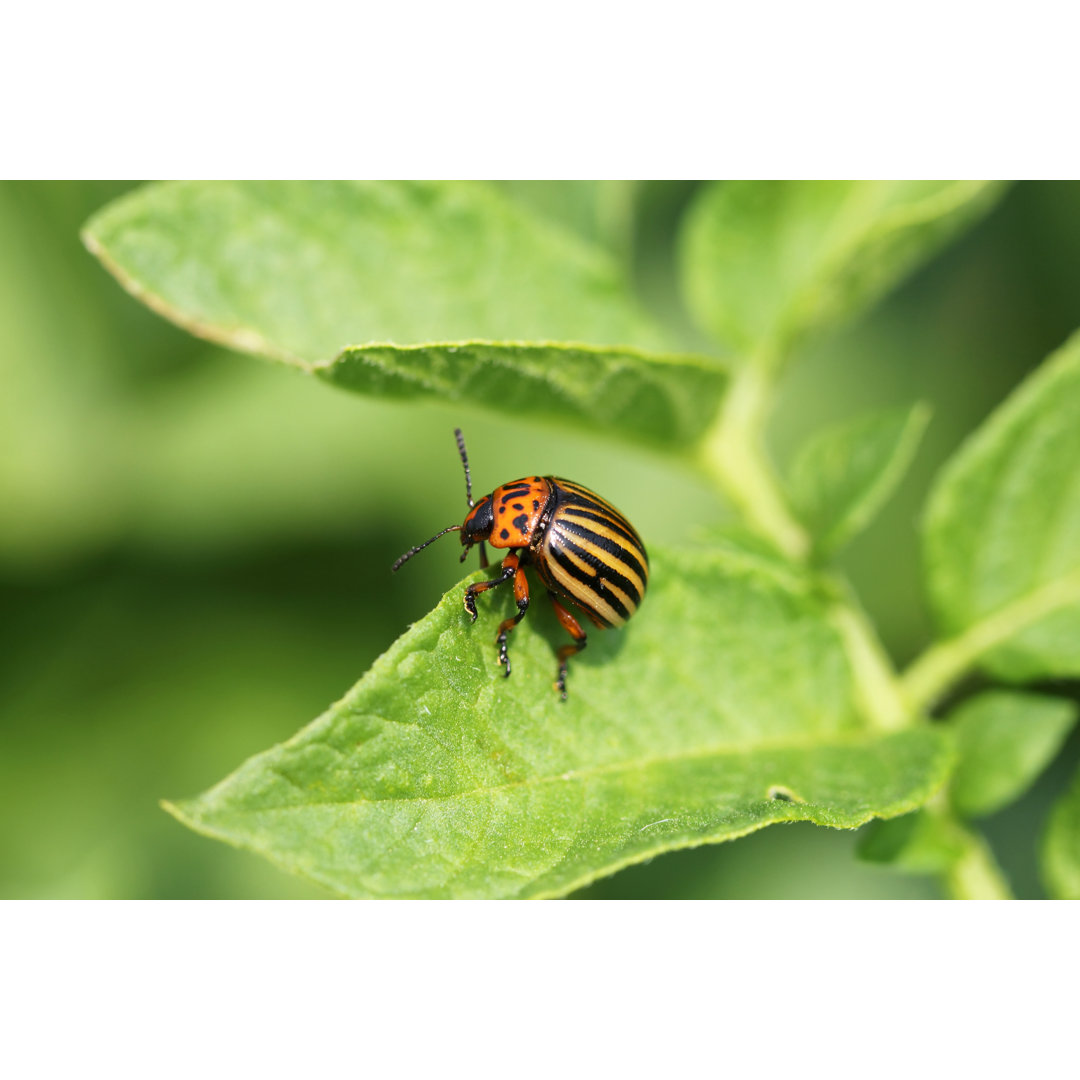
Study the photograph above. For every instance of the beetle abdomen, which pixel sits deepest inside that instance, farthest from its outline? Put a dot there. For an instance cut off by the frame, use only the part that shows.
(593, 555)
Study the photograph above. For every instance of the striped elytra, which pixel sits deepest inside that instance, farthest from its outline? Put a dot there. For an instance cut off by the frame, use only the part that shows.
(592, 555)
(582, 548)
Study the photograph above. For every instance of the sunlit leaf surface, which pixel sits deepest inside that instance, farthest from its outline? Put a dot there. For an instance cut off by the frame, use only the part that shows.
(725, 705)
(299, 271)
(1002, 529)
(406, 290)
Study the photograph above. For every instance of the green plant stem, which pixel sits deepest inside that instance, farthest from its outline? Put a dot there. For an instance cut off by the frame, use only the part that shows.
(873, 672)
(976, 876)
(734, 456)
(943, 664)
(974, 873)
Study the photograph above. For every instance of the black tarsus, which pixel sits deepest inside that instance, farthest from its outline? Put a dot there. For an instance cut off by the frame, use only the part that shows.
(566, 651)
(474, 590)
(504, 630)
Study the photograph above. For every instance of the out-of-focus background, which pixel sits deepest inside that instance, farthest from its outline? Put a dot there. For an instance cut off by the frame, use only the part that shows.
(195, 545)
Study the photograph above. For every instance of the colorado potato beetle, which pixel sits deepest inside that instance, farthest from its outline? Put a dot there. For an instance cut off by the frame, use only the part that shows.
(582, 548)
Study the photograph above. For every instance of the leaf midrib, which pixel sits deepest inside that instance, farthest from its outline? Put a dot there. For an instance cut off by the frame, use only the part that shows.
(929, 675)
(586, 773)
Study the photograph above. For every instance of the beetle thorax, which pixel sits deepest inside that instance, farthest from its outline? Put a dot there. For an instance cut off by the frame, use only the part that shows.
(519, 512)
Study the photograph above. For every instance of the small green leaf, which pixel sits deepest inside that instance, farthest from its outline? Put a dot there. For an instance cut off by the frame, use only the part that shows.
(1002, 534)
(434, 776)
(1061, 846)
(1005, 740)
(918, 843)
(846, 473)
(298, 271)
(665, 400)
(764, 264)
(933, 841)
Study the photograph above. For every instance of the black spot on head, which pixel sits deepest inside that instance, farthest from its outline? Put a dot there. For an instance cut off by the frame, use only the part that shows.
(518, 506)
(504, 534)
(521, 521)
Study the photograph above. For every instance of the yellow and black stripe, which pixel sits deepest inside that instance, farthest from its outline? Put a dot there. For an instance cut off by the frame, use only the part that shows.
(592, 555)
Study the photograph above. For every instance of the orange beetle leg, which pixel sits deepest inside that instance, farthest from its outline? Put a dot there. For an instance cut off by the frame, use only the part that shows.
(509, 569)
(573, 628)
(521, 595)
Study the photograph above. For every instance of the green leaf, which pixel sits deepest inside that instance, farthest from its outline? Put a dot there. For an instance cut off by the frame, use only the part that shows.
(846, 473)
(1005, 740)
(1061, 846)
(391, 288)
(436, 777)
(1002, 536)
(933, 841)
(918, 843)
(764, 264)
(665, 400)
(298, 271)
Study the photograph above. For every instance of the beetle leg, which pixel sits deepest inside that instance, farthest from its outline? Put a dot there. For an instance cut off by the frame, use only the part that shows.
(521, 595)
(509, 569)
(573, 628)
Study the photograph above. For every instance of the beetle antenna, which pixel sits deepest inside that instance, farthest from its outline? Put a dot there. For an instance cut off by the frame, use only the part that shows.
(464, 461)
(420, 547)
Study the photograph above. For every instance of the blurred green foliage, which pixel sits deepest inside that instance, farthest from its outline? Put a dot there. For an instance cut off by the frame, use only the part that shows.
(177, 524)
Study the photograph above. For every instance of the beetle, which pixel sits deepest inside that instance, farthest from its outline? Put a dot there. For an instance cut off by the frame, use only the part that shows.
(582, 548)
